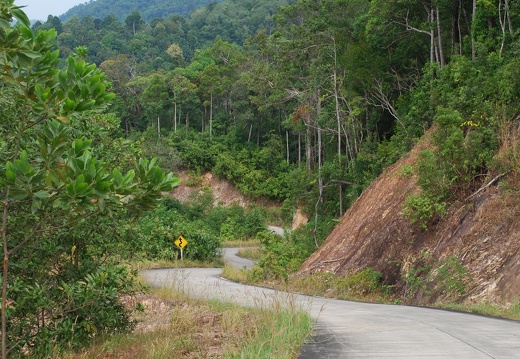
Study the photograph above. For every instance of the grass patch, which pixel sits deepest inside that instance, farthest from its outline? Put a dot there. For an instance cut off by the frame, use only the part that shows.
(253, 253)
(278, 332)
(241, 243)
(363, 286)
(253, 276)
(511, 312)
(174, 326)
(185, 263)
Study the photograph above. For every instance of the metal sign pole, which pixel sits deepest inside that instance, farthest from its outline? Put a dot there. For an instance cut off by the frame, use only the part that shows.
(181, 254)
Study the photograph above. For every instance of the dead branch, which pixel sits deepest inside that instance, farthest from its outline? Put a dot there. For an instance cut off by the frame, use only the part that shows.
(487, 185)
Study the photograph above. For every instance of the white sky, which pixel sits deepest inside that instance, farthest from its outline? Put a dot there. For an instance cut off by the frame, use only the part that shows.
(40, 9)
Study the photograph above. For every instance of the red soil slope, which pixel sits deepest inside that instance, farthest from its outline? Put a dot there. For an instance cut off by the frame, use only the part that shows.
(483, 232)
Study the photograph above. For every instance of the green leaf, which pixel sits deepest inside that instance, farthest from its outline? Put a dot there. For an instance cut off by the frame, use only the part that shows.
(36, 205)
(19, 15)
(26, 32)
(22, 164)
(18, 194)
(11, 176)
(31, 54)
(81, 188)
(118, 178)
(69, 104)
(85, 105)
(130, 175)
(70, 189)
(81, 146)
(42, 194)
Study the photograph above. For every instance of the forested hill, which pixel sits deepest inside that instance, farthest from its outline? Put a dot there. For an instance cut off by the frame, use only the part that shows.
(118, 29)
(149, 9)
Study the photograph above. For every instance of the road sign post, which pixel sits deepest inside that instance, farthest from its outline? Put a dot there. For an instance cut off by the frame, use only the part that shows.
(181, 243)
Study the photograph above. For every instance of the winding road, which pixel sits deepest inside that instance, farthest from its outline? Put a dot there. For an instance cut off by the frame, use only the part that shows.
(347, 329)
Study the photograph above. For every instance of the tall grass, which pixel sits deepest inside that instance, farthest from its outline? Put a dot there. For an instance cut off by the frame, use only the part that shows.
(253, 253)
(176, 327)
(177, 263)
(511, 312)
(279, 333)
(241, 243)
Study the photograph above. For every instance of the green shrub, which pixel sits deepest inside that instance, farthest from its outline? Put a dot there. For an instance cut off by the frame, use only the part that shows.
(452, 276)
(46, 317)
(463, 151)
(422, 208)
(202, 247)
(432, 276)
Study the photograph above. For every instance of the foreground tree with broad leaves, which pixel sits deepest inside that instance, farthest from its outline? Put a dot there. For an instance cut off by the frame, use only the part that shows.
(58, 288)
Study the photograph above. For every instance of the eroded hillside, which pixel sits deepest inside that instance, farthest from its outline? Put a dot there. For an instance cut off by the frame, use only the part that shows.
(481, 232)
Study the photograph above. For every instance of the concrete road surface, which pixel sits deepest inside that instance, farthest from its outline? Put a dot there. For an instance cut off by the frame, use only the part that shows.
(360, 330)
(231, 257)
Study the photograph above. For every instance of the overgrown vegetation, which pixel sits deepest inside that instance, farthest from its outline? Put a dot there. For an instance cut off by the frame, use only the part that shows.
(430, 277)
(173, 325)
(204, 226)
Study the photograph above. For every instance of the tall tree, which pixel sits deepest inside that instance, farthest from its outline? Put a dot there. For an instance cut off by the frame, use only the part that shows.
(50, 180)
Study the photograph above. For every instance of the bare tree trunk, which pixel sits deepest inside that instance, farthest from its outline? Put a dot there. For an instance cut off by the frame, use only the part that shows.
(320, 190)
(439, 38)
(508, 16)
(339, 122)
(259, 130)
(336, 98)
(459, 29)
(299, 148)
(308, 149)
(180, 116)
(430, 33)
(432, 39)
(287, 144)
(158, 127)
(504, 20)
(175, 117)
(211, 118)
(473, 29)
(380, 99)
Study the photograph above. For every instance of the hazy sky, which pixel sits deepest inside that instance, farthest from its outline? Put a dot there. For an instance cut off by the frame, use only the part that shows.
(40, 9)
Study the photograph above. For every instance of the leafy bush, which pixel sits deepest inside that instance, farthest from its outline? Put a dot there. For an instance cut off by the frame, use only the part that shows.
(281, 255)
(432, 276)
(47, 317)
(463, 151)
(202, 247)
(422, 208)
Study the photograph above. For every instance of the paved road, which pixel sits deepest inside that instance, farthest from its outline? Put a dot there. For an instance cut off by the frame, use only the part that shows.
(276, 230)
(359, 330)
(231, 257)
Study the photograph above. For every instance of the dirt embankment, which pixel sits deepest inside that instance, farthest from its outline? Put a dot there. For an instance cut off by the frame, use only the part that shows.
(223, 192)
(482, 232)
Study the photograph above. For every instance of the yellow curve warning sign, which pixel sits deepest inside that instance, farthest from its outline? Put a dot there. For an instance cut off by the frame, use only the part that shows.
(181, 242)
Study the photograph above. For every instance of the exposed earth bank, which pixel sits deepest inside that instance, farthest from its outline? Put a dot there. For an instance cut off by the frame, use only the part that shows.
(481, 232)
